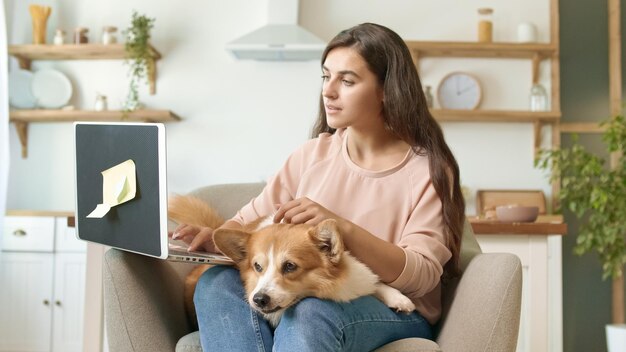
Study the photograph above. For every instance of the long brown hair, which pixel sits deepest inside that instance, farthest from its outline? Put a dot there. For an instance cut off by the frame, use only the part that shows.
(407, 117)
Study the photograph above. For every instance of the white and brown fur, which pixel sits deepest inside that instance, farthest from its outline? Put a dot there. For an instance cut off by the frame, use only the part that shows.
(280, 264)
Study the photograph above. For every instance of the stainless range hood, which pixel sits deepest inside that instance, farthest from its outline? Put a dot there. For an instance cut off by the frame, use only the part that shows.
(281, 39)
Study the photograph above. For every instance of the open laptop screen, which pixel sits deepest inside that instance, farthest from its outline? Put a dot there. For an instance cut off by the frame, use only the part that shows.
(140, 224)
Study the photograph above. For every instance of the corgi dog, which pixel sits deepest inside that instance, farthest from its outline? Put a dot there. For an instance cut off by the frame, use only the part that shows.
(280, 264)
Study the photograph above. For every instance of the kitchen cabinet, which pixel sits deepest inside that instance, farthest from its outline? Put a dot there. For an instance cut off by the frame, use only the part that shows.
(42, 281)
(25, 54)
(25, 301)
(538, 245)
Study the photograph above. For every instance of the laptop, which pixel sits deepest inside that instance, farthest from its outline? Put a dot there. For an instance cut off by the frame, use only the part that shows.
(121, 190)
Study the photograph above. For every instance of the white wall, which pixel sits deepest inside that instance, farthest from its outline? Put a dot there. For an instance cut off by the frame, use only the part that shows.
(242, 118)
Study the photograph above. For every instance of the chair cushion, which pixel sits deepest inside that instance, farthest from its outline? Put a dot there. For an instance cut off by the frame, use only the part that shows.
(189, 343)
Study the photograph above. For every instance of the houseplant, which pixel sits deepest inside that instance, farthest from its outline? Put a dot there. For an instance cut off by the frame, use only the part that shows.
(596, 194)
(138, 56)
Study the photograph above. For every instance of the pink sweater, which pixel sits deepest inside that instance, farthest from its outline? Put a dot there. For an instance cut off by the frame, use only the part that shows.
(399, 205)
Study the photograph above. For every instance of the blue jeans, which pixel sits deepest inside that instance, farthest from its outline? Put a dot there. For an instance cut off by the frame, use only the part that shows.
(227, 323)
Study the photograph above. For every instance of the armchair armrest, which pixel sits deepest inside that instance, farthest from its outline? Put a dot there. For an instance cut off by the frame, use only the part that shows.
(484, 313)
(143, 302)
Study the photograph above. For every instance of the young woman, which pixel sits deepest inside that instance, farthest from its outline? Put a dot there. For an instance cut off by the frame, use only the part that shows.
(379, 165)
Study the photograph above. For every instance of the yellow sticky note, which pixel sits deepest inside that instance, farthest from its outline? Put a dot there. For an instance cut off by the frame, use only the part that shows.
(121, 189)
(119, 185)
(100, 211)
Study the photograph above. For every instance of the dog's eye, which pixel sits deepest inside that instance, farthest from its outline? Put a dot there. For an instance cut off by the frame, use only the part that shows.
(258, 267)
(289, 267)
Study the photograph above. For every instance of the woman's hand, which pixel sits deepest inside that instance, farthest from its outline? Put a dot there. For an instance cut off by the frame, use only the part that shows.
(198, 238)
(303, 211)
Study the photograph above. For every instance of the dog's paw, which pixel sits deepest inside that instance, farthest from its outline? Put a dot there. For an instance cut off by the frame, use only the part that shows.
(394, 299)
(401, 303)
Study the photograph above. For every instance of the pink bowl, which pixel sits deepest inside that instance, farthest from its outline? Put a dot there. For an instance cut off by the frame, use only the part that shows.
(516, 213)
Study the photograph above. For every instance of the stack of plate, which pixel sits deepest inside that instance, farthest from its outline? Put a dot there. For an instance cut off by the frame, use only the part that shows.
(46, 88)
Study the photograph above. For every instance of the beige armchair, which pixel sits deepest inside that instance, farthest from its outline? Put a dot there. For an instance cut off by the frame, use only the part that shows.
(144, 308)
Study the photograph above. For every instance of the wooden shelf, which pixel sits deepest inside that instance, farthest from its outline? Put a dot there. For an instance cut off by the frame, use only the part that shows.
(21, 118)
(446, 115)
(534, 51)
(72, 52)
(143, 115)
(481, 50)
(26, 212)
(537, 118)
(26, 53)
(581, 127)
(545, 225)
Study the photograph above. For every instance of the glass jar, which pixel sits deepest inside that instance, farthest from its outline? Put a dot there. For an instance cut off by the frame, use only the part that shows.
(101, 103)
(108, 35)
(59, 37)
(429, 96)
(538, 98)
(485, 25)
(80, 35)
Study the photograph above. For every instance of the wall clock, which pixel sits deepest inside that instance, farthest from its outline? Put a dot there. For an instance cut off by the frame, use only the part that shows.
(459, 90)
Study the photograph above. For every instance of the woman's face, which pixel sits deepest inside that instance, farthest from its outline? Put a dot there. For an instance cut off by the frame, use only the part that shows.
(352, 95)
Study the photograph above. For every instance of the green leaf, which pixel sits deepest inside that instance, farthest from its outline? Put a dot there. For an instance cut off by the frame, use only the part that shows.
(138, 57)
(595, 194)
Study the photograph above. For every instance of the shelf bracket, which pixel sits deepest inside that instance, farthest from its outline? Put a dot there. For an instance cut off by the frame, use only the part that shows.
(22, 133)
(24, 62)
(152, 75)
(535, 62)
(537, 125)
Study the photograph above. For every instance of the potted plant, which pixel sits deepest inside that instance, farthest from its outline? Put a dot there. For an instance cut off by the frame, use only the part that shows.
(138, 56)
(596, 193)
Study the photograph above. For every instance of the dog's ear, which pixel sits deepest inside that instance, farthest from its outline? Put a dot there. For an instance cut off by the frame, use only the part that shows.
(232, 243)
(326, 235)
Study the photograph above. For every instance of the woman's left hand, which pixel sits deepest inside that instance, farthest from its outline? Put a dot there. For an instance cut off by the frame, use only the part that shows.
(303, 211)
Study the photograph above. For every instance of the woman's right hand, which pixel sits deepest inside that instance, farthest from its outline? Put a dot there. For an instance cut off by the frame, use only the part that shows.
(198, 238)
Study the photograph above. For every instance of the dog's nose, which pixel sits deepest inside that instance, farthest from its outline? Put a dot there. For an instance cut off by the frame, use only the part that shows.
(261, 300)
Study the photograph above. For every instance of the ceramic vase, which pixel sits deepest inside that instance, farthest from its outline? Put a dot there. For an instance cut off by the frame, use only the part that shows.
(39, 15)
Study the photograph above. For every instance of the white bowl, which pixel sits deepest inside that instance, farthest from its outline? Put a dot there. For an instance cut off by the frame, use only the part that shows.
(516, 213)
